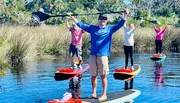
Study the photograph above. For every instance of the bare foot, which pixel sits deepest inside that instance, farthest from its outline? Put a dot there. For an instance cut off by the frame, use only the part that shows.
(103, 97)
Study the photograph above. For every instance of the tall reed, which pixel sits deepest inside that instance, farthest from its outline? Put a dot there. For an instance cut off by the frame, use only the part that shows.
(19, 43)
(172, 39)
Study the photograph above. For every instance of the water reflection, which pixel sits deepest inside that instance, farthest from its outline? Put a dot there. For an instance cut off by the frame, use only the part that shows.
(37, 84)
(18, 72)
(74, 87)
(158, 79)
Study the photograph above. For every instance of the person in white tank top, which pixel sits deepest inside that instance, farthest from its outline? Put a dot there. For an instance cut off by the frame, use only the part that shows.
(129, 48)
(129, 42)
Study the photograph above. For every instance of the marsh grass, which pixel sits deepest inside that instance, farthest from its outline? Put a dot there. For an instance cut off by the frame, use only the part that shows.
(172, 39)
(18, 46)
(20, 43)
(144, 40)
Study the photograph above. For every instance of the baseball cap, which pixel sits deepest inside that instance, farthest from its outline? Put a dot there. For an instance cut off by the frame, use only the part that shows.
(102, 17)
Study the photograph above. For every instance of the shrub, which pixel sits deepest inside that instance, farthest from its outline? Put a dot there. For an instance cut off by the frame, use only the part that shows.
(165, 11)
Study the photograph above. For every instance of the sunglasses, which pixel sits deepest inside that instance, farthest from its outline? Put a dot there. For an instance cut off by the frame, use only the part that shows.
(103, 18)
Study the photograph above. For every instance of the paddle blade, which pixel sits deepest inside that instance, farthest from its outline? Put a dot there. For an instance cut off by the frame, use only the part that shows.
(155, 22)
(40, 16)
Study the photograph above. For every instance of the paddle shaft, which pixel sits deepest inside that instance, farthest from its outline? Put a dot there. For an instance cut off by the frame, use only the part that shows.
(40, 16)
(152, 21)
(107, 12)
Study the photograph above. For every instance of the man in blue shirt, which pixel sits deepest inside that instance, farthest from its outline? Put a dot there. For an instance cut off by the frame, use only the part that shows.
(101, 37)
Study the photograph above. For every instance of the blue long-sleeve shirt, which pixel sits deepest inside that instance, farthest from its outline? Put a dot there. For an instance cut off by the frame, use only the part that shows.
(101, 37)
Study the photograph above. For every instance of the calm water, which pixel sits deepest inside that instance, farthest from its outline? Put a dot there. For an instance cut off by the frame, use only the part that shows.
(34, 83)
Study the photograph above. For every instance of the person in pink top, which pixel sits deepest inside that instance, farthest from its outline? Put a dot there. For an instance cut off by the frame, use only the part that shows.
(76, 42)
(159, 37)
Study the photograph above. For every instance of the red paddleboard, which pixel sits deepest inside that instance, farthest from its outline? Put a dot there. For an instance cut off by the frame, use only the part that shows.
(123, 74)
(69, 73)
(69, 101)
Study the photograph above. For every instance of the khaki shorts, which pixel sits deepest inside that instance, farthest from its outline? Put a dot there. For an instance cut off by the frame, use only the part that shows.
(98, 64)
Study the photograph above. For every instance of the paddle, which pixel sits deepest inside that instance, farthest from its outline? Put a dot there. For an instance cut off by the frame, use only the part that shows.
(154, 21)
(40, 16)
(145, 19)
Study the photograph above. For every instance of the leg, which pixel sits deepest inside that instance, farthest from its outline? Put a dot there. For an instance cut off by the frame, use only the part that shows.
(72, 60)
(131, 83)
(160, 46)
(104, 85)
(126, 56)
(79, 52)
(103, 67)
(131, 57)
(80, 57)
(94, 85)
(126, 85)
(72, 52)
(78, 81)
(156, 43)
(93, 71)
(126, 60)
(71, 84)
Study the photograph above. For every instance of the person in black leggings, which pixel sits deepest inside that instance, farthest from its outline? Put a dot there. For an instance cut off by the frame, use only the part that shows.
(129, 48)
(159, 37)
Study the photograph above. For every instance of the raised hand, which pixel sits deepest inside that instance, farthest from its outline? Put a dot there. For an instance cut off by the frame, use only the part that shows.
(126, 11)
(69, 13)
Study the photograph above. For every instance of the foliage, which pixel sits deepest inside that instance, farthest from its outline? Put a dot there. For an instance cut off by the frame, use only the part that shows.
(19, 11)
(178, 24)
(142, 14)
(110, 5)
(165, 11)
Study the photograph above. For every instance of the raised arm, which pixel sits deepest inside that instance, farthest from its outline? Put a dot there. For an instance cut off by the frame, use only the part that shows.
(164, 29)
(83, 26)
(137, 25)
(125, 14)
(124, 26)
(73, 18)
(121, 23)
(155, 28)
(67, 23)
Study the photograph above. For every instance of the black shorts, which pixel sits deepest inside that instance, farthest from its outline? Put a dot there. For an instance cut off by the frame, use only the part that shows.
(75, 50)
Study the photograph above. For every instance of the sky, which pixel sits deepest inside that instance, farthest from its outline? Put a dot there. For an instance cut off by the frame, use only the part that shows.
(127, 1)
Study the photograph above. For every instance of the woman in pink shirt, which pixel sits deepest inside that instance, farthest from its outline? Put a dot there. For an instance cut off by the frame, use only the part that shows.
(159, 37)
(76, 42)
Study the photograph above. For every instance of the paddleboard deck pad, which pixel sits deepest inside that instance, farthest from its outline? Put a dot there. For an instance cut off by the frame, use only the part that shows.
(69, 73)
(114, 97)
(123, 74)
